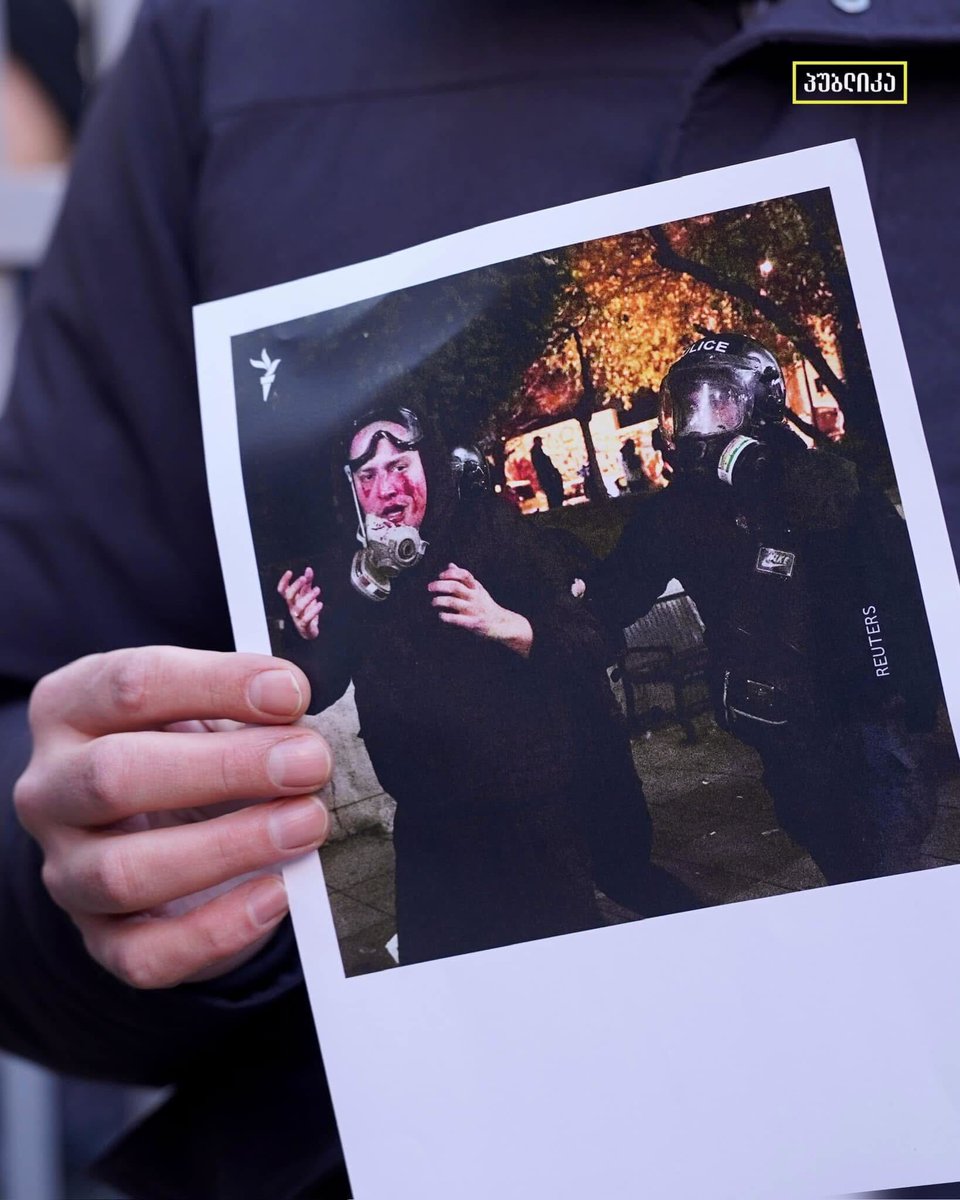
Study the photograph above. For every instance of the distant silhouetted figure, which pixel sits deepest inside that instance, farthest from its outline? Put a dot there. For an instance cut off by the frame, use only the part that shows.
(551, 481)
(632, 466)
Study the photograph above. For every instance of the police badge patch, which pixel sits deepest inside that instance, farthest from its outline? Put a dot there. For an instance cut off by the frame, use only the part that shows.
(775, 562)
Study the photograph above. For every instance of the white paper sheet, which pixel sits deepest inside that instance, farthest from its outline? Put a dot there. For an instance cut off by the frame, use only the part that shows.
(802, 1045)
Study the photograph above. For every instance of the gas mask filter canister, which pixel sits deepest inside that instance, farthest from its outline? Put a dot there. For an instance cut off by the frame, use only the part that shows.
(387, 550)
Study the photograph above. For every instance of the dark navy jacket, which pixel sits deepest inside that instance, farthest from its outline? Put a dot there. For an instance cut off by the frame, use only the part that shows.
(241, 144)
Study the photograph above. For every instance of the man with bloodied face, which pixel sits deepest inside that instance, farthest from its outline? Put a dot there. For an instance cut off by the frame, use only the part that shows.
(389, 474)
(482, 698)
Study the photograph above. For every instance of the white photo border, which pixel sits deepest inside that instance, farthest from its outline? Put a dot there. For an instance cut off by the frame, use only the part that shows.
(797, 1046)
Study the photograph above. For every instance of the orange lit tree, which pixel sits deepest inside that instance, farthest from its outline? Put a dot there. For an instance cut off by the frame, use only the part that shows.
(629, 305)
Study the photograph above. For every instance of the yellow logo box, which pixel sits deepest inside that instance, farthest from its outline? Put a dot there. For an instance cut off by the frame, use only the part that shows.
(879, 81)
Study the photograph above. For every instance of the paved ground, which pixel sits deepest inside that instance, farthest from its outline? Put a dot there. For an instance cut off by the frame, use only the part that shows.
(714, 828)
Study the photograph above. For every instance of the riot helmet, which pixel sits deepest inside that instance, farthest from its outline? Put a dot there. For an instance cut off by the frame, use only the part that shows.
(721, 385)
(470, 471)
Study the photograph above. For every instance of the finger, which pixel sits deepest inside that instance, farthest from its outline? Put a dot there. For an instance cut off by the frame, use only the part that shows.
(313, 610)
(455, 572)
(305, 599)
(160, 952)
(449, 587)
(305, 595)
(133, 872)
(313, 629)
(294, 589)
(284, 582)
(118, 776)
(302, 582)
(151, 686)
(453, 603)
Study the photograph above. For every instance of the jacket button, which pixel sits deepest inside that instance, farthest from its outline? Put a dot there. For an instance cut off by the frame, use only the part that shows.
(851, 6)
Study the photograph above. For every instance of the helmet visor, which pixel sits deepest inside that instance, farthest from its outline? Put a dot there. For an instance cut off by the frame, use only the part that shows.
(700, 402)
(400, 427)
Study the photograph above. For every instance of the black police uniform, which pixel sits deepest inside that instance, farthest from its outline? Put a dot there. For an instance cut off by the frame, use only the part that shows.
(820, 655)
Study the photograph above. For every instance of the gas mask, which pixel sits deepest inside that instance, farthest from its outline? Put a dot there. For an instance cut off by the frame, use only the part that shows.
(387, 550)
(470, 472)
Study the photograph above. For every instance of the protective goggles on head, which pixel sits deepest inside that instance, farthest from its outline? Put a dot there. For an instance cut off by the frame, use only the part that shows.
(408, 440)
(705, 401)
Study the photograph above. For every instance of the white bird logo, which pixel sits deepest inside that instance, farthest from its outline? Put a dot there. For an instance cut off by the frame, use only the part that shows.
(268, 366)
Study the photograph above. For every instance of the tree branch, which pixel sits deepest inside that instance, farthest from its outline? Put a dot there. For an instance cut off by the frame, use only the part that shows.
(740, 290)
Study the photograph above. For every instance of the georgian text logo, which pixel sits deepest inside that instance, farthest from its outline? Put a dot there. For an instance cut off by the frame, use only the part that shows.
(876, 82)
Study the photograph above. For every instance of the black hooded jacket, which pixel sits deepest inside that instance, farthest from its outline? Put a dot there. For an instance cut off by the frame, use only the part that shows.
(439, 706)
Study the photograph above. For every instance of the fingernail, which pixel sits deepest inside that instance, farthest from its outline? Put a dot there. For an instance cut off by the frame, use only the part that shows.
(268, 903)
(276, 693)
(299, 825)
(302, 762)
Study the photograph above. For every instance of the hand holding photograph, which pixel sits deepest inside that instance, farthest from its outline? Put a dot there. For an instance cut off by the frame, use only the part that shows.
(609, 543)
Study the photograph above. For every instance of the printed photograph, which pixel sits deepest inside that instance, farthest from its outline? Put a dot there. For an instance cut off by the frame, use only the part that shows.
(597, 564)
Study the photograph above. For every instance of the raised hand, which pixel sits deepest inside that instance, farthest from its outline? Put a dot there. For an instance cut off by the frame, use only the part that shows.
(464, 601)
(163, 845)
(303, 602)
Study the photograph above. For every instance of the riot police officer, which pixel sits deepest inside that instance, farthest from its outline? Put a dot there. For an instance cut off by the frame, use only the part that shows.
(819, 652)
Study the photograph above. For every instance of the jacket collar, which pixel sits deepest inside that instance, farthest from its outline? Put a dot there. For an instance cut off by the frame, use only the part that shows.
(918, 21)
